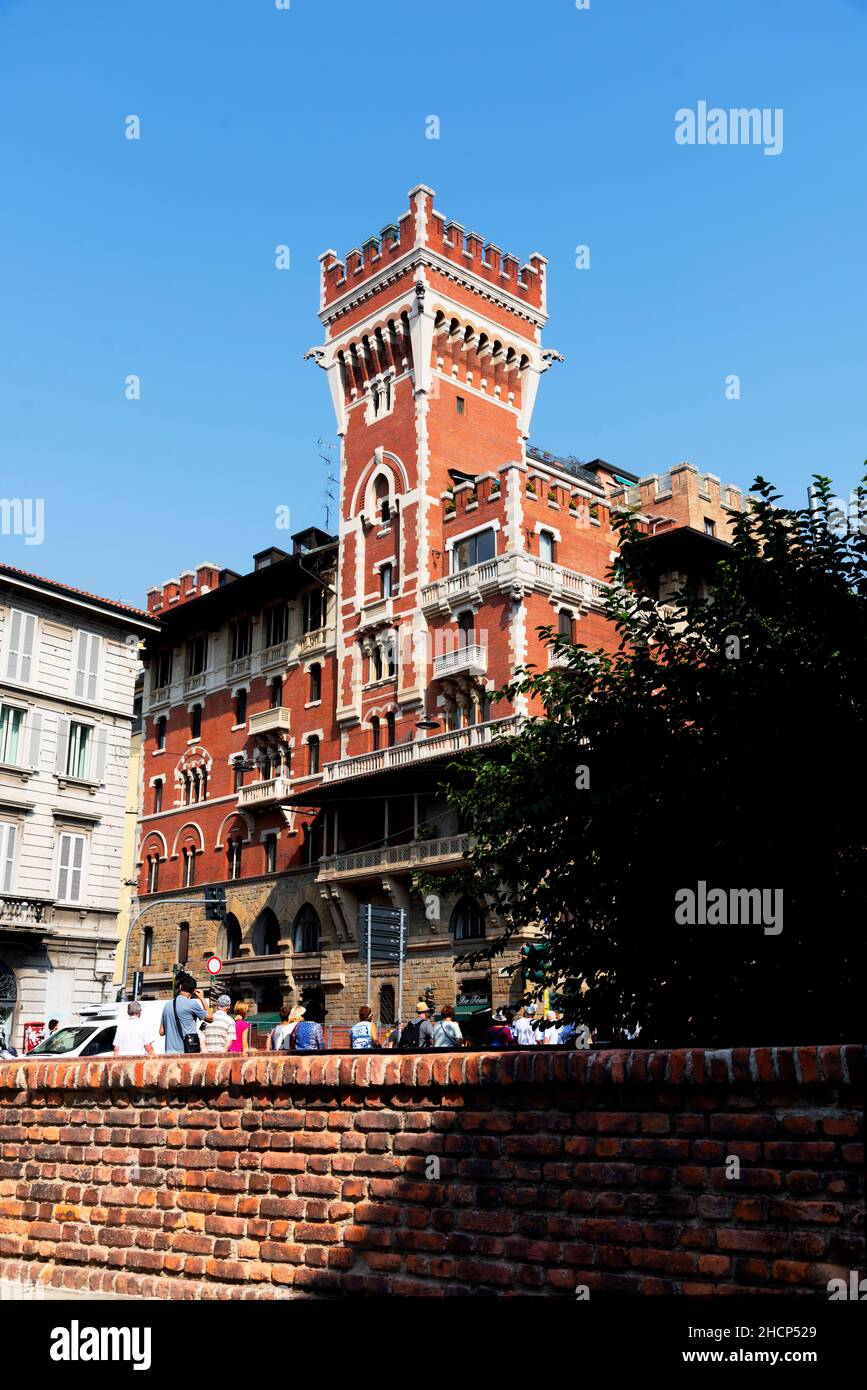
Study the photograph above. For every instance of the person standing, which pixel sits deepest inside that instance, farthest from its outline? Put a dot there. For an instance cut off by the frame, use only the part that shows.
(362, 1035)
(498, 1034)
(549, 1036)
(131, 1037)
(275, 1037)
(525, 1033)
(217, 1034)
(308, 1036)
(241, 1040)
(447, 1031)
(182, 1014)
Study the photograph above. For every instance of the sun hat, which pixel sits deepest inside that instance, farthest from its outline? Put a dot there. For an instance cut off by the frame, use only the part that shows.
(422, 1008)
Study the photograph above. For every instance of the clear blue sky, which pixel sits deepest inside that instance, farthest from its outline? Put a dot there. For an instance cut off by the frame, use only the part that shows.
(307, 127)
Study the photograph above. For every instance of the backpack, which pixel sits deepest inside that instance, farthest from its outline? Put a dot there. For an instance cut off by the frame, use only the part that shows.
(287, 1042)
(410, 1037)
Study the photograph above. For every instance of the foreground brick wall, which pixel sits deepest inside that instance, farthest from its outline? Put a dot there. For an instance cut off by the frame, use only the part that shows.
(194, 1177)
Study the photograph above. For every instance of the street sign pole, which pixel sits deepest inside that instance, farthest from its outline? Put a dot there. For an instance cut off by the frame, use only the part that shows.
(400, 969)
(369, 952)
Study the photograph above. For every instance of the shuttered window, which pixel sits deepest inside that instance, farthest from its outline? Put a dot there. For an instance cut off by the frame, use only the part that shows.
(8, 836)
(70, 877)
(78, 751)
(20, 646)
(11, 735)
(88, 653)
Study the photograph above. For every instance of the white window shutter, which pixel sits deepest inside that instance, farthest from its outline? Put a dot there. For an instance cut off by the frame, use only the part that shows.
(81, 664)
(77, 867)
(33, 728)
(62, 746)
(63, 873)
(7, 855)
(13, 643)
(28, 645)
(93, 654)
(96, 772)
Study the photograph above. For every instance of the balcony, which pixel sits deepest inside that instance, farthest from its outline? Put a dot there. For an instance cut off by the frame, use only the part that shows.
(470, 660)
(420, 750)
(252, 967)
(194, 683)
(368, 863)
(239, 667)
(314, 641)
(514, 570)
(26, 914)
(161, 696)
(276, 655)
(269, 721)
(260, 795)
(376, 613)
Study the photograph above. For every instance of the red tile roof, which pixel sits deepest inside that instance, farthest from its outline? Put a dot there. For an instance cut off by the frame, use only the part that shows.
(62, 588)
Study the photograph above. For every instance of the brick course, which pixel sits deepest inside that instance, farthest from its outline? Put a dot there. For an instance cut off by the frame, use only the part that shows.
(270, 1176)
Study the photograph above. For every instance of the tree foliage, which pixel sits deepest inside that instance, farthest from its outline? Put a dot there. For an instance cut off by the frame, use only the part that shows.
(736, 764)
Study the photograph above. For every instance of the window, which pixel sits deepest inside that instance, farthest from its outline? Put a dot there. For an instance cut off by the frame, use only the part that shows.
(153, 873)
(8, 837)
(11, 735)
(239, 773)
(78, 750)
(385, 580)
(70, 876)
(189, 867)
(566, 623)
(466, 629)
(183, 943)
(390, 726)
(391, 653)
(161, 732)
(305, 932)
(147, 946)
(277, 692)
(376, 663)
(196, 721)
(20, 645)
(163, 670)
(270, 854)
(546, 546)
(380, 489)
(473, 550)
(386, 1004)
(709, 527)
(315, 683)
(158, 797)
(234, 855)
(276, 625)
(374, 732)
(466, 921)
(233, 937)
(312, 754)
(312, 614)
(197, 654)
(461, 405)
(240, 639)
(241, 707)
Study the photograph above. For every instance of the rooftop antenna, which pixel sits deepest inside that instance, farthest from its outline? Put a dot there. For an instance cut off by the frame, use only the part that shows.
(330, 495)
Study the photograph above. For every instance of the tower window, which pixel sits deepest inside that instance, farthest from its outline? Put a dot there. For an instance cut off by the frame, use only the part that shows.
(473, 550)
(461, 405)
(158, 797)
(709, 527)
(276, 692)
(161, 732)
(374, 731)
(241, 707)
(566, 624)
(546, 546)
(315, 683)
(196, 722)
(390, 726)
(385, 581)
(312, 754)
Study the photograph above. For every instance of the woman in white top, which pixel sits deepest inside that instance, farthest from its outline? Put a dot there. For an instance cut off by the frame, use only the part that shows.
(277, 1033)
(447, 1032)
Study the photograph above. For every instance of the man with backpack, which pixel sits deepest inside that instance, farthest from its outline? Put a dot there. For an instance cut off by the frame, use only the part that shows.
(418, 1032)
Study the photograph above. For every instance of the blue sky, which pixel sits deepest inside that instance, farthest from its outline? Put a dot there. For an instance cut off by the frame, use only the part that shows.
(307, 127)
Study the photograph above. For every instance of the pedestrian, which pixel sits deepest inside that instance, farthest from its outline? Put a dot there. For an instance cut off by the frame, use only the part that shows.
(447, 1030)
(419, 1031)
(362, 1035)
(217, 1034)
(525, 1033)
(181, 1017)
(498, 1034)
(53, 1025)
(132, 1037)
(549, 1034)
(275, 1037)
(241, 1040)
(308, 1035)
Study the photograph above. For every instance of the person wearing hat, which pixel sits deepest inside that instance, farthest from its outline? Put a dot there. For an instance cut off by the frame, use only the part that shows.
(550, 1036)
(294, 1017)
(418, 1031)
(217, 1034)
(499, 1034)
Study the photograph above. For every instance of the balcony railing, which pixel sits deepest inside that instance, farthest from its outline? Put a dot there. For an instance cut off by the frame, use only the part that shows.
(25, 912)
(406, 754)
(270, 721)
(161, 696)
(407, 857)
(378, 611)
(312, 641)
(193, 684)
(471, 659)
(239, 667)
(276, 655)
(505, 572)
(260, 794)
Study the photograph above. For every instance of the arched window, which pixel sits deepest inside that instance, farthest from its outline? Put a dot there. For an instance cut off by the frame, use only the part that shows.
(233, 852)
(147, 946)
(386, 1004)
(315, 683)
(374, 733)
(312, 754)
(467, 920)
(380, 489)
(231, 937)
(183, 943)
(153, 873)
(189, 867)
(305, 932)
(266, 934)
(566, 623)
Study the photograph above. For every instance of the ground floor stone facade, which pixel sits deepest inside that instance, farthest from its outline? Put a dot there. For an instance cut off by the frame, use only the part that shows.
(56, 972)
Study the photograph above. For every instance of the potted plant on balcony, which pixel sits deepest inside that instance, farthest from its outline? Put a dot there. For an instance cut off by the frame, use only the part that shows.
(531, 487)
(495, 488)
(450, 504)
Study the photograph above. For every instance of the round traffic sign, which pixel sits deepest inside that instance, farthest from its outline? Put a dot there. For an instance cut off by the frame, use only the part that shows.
(214, 965)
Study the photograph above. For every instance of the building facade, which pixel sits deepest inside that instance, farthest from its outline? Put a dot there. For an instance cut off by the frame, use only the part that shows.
(67, 670)
(300, 718)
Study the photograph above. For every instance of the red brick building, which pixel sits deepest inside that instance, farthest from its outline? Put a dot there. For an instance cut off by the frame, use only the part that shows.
(299, 716)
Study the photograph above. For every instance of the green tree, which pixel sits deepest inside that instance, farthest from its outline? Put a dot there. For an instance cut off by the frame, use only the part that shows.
(723, 743)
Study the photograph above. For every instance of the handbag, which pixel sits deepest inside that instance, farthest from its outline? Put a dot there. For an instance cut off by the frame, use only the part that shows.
(192, 1041)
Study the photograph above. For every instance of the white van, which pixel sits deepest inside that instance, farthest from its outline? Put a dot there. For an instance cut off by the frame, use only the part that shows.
(92, 1033)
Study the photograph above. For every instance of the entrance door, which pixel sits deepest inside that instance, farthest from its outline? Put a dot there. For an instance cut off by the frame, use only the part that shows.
(8, 1000)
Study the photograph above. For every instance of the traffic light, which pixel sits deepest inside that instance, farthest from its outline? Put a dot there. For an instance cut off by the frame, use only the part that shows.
(215, 904)
(534, 962)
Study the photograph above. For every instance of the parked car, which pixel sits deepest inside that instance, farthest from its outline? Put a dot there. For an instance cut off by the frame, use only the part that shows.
(92, 1033)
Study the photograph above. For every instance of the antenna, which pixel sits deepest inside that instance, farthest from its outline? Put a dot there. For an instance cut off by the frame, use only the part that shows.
(330, 495)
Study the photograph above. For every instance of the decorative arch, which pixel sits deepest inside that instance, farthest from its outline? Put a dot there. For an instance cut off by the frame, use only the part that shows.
(229, 938)
(265, 936)
(234, 820)
(306, 930)
(371, 468)
(467, 921)
(189, 836)
(154, 839)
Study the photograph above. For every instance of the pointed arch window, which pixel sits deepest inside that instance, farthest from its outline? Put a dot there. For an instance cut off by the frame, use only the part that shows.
(306, 931)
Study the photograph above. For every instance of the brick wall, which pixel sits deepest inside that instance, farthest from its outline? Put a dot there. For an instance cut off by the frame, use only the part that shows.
(527, 1173)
